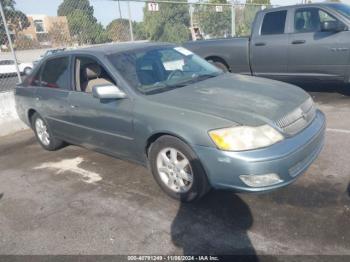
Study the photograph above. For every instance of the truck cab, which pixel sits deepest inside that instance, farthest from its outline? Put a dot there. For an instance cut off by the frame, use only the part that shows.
(293, 44)
(300, 43)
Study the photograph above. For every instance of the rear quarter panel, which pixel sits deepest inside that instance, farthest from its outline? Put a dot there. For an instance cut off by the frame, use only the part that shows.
(25, 100)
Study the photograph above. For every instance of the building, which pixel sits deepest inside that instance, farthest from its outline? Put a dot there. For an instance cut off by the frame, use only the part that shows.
(47, 30)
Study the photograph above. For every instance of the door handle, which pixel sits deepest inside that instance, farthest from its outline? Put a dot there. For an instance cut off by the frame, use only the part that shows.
(260, 44)
(73, 106)
(298, 42)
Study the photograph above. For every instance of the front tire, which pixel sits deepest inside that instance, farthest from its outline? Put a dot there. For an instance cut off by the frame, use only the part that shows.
(44, 135)
(177, 169)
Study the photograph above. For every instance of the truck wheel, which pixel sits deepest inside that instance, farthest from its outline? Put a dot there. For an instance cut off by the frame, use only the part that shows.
(177, 169)
(219, 65)
(44, 135)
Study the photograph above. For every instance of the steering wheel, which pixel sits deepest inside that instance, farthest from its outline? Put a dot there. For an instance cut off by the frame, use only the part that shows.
(174, 73)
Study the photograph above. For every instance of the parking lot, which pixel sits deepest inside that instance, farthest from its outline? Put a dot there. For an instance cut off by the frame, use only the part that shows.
(76, 201)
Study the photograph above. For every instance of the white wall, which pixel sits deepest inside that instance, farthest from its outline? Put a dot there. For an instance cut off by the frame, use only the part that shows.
(9, 121)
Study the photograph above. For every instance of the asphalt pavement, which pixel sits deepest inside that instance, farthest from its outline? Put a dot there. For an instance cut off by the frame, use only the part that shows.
(75, 201)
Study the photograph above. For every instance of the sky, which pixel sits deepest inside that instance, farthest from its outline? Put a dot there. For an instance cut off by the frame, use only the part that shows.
(107, 10)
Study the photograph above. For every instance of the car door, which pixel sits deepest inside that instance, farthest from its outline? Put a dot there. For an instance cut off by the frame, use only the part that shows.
(105, 125)
(52, 92)
(314, 54)
(268, 45)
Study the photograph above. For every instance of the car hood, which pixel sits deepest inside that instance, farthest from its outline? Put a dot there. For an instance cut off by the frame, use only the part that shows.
(241, 99)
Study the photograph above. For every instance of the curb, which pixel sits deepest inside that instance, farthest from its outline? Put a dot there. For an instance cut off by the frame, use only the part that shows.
(9, 120)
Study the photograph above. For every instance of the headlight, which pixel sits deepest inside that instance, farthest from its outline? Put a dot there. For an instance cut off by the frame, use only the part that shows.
(242, 138)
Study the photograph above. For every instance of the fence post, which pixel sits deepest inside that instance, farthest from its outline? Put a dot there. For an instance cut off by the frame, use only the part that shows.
(10, 42)
(233, 19)
(130, 23)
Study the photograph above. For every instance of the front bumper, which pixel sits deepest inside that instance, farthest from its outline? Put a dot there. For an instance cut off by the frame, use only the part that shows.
(289, 159)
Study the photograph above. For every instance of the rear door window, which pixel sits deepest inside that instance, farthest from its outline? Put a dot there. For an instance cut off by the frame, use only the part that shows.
(274, 23)
(55, 73)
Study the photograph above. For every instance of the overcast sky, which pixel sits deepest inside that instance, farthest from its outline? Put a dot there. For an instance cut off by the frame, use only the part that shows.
(107, 10)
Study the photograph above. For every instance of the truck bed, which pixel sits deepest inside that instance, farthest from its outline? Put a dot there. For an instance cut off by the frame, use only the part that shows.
(233, 52)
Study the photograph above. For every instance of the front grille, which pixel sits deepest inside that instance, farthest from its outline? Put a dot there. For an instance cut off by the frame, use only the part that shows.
(298, 119)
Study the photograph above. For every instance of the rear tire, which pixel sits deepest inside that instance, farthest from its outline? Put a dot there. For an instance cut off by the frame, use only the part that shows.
(181, 177)
(44, 135)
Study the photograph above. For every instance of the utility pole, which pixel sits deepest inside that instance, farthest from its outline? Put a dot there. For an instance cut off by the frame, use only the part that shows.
(130, 23)
(233, 19)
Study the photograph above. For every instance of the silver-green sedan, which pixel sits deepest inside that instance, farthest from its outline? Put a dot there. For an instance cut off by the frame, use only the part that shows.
(164, 107)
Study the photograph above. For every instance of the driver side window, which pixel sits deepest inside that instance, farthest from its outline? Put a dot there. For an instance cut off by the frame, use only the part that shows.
(89, 73)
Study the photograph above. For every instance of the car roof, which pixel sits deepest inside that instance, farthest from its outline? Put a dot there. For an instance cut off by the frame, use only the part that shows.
(107, 49)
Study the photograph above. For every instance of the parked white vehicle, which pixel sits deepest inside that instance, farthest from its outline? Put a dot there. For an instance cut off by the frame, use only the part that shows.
(8, 67)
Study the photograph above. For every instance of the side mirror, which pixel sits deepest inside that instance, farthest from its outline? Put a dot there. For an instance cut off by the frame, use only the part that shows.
(108, 92)
(332, 26)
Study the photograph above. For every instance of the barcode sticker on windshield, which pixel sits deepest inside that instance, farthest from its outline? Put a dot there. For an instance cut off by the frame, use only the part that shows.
(183, 51)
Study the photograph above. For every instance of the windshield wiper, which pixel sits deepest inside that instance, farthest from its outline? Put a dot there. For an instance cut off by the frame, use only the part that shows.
(206, 76)
(159, 86)
(195, 79)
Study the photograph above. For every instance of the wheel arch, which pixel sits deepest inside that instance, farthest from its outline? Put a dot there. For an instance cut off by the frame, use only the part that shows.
(215, 58)
(156, 135)
(30, 115)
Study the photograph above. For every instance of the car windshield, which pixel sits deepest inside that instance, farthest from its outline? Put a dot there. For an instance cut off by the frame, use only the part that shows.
(161, 69)
(341, 8)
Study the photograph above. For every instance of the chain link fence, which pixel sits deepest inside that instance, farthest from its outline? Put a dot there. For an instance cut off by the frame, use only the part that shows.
(77, 24)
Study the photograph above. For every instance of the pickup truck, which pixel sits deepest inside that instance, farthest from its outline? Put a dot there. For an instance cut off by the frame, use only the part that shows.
(301, 42)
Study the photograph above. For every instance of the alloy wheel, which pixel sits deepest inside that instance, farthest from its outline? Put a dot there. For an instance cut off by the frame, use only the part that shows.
(175, 170)
(42, 132)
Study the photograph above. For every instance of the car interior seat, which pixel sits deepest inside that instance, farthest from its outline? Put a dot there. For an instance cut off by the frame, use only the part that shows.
(92, 75)
(150, 70)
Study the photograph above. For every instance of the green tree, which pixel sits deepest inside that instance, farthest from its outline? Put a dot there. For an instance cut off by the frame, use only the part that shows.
(170, 24)
(213, 23)
(119, 30)
(245, 16)
(83, 26)
(84, 30)
(69, 6)
(258, 2)
(139, 30)
(16, 20)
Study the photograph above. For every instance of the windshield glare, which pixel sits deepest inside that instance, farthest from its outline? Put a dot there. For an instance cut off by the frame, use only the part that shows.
(162, 69)
(341, 8)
